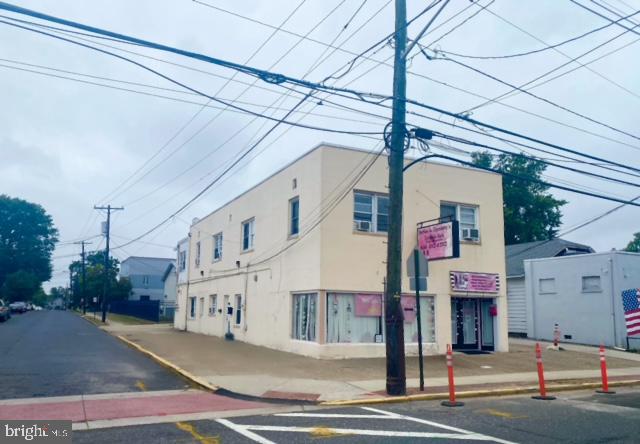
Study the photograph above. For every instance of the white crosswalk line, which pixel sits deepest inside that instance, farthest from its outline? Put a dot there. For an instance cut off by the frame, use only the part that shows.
(242, 430)
(434, 424)
(333, 415)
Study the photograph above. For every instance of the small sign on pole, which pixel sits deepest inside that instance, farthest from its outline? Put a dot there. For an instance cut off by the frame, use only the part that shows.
(440, 240)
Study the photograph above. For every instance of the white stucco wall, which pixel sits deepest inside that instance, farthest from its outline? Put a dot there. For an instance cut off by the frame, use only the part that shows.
(331, 257)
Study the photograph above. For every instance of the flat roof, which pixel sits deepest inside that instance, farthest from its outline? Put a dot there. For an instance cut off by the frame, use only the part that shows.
(578, 256)
(338, 147)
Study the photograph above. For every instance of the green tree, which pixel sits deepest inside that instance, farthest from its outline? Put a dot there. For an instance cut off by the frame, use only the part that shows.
(94, 286)
(40, 298)
(27, 239)
(531, 213)
(20, 286)
(634, 245)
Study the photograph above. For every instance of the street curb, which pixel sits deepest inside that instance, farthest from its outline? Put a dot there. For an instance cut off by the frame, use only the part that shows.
(203, 383)
(478, 393)
(188, 375)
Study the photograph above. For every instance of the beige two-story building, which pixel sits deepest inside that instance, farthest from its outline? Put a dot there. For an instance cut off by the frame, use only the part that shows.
(297, 263)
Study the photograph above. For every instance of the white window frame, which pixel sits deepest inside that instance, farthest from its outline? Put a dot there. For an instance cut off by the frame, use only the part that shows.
(291, 218)
(201, 307)
(373, 227)
(198, 251)
(217, 249)
(545, 283)
(213, 305)
(316, 300)
(237, 307)
(192, 307)
(252, 233)
(592, 290)
(476, 222)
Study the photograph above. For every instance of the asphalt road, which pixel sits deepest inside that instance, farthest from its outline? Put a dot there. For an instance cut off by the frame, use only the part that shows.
(57, 353)
(581, 417)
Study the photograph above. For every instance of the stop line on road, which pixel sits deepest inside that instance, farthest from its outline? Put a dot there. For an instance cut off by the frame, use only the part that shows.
(251, 431)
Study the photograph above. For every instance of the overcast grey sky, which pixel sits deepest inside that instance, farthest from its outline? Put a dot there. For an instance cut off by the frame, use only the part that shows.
(69, 145)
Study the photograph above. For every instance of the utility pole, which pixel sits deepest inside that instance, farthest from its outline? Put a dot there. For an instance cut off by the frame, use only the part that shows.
(84, 277)
(394, 338)
(394, 318)
(68, 303)
(107, 263)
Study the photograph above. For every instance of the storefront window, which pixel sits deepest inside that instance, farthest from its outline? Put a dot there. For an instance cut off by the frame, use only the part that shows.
(427, 315)
(354, 317)
(358, 318)
(304, 316)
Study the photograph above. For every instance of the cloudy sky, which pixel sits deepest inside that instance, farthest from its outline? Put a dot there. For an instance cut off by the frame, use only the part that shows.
(80, 128)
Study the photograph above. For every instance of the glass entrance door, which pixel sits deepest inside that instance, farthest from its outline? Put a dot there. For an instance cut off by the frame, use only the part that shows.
(465, 323)
(486, 324)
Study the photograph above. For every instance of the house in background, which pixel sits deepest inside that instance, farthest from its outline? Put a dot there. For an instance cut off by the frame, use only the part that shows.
(182, 258)
(146, 275)
(170, 280)
(583, 295)
(515, 256)
(297, 262)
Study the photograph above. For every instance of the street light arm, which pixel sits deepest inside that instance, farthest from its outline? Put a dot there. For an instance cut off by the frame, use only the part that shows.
(516, 176)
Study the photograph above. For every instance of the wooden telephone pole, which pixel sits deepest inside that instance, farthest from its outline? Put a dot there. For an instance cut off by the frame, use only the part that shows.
(394, 320)
(107, 262)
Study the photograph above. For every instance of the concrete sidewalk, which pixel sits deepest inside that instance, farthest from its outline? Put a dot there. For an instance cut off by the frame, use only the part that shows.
(266, 373)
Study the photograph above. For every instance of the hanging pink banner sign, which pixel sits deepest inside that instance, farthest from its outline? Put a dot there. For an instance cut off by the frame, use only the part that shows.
(409, 308)
(475, 282)
(439, 241)
(369, 305)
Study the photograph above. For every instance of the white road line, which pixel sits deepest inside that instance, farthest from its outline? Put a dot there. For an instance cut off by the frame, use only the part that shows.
(334, 415)
(243, 430)
(365, 432)
(435, 424)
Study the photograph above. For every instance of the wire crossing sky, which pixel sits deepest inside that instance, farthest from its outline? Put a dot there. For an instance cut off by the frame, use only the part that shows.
(81, 122)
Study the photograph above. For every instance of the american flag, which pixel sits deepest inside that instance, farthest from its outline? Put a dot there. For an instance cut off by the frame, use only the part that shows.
(631, 303)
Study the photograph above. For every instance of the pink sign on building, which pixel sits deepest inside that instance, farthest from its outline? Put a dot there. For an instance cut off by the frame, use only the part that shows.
(369, 305)
(439, 241)
(409, 308)
(474, 282)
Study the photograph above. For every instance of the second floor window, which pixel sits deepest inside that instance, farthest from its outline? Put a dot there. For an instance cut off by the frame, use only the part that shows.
(197, 254)
(145, 280)
(467, 216)
(370, 212)
(217, 247)
(294, 216)
(248, 232)
(182, 260)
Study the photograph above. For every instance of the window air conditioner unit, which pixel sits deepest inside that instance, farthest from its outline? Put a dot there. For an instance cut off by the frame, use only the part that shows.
(363, 225)
(471, 234)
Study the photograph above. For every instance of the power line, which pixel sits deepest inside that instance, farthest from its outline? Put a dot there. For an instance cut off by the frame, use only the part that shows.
(193, 117)
(272, 77)
(523, 178)
(534, 51)
(230, 105)
(546, 162)
(617, 22)
(313, 66)
(542, 99)
(570, 60)
(199, 194)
